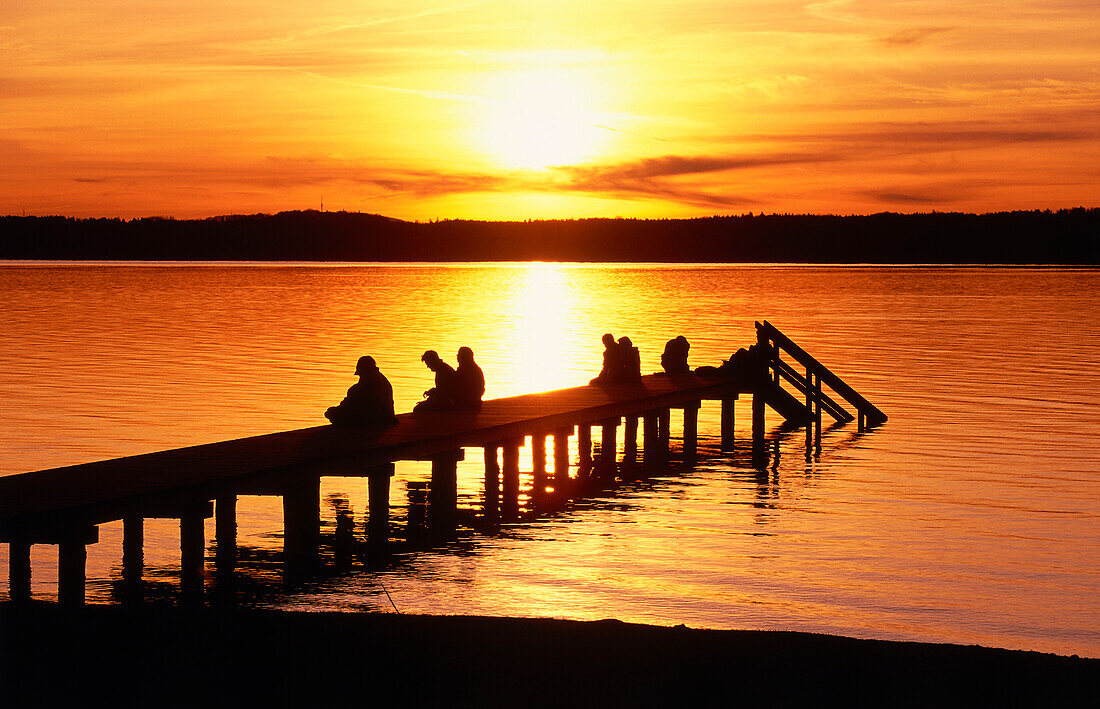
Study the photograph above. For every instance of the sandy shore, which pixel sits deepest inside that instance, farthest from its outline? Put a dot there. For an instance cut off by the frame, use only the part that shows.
(163, 656)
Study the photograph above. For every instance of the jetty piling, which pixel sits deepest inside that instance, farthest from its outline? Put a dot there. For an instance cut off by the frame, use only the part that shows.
(64, 506)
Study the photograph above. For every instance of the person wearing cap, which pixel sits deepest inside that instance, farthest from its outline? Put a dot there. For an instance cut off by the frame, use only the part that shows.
(469, 381)
(441, 397)
(368, 402)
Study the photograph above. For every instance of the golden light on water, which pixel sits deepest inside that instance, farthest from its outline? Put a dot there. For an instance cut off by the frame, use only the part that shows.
(543, 309)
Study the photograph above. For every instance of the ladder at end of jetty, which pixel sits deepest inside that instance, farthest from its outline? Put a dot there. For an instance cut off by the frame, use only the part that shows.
(808, 381)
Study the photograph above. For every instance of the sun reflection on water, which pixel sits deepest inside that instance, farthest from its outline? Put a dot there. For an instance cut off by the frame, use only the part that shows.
(542, 311)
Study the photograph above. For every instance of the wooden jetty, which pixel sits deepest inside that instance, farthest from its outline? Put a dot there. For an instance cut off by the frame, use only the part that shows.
(64, 506)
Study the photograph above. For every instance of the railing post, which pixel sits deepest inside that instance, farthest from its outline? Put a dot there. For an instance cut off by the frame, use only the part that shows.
(817, 413)
(809, 413)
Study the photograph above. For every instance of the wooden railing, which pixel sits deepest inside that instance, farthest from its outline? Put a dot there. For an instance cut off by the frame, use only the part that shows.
(816, 374)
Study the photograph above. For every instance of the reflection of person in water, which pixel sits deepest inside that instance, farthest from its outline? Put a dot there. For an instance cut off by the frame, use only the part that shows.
(674, 360)
(441, 397)
(469, 381)
(369, 401)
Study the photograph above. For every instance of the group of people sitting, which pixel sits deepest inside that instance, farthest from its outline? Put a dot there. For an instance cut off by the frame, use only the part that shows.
(369, 402)
(621, 362)
(460, 388)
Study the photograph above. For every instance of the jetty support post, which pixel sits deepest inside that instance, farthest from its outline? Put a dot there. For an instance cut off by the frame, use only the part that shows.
(492, 483)
(649, 437)
(133, 556)
(301, 523)
(378, 507)
(538, 465)
(584, 447)
(511, 478)
(72, 538)
(72, 560)
(225, 536)
(758, 421)
(443, 497)
(691, 428)
(630, 440)
(608, 445)
(561, 459)
(19, 569)
(663, 433)
(193, 549)
(729, 404)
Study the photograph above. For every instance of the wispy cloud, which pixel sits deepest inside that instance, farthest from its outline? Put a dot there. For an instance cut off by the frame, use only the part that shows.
(912, 36)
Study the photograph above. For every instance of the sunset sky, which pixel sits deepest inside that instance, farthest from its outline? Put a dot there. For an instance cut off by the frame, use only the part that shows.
(501, 109)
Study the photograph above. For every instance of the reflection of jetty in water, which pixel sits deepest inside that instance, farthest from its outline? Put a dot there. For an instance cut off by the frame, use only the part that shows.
(64, 506)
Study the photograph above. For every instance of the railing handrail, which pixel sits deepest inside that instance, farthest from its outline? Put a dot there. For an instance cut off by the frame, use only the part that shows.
(799, 382)
(834, 382)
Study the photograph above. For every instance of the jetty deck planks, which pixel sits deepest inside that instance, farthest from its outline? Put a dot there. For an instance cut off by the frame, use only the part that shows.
(100, 491)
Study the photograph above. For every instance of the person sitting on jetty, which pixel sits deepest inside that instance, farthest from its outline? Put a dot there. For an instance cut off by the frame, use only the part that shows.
(674, 360)
(441, 397)
(611, 361)
(621, 362)
(469, 381)
(368, 402)
(747, 365)
(631, 362)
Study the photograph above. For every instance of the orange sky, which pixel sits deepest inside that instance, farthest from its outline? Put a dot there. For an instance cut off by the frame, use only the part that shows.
(512, 109)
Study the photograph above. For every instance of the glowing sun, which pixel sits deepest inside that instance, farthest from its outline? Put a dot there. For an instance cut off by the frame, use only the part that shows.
(540, 118)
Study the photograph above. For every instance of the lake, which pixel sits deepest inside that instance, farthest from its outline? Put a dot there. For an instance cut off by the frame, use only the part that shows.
(971, 516)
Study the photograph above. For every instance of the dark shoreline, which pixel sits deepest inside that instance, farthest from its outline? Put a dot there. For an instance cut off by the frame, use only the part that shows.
(1063, 237)
(178, 657)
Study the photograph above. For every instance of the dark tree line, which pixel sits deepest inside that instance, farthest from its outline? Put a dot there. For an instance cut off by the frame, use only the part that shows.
(1037, 237)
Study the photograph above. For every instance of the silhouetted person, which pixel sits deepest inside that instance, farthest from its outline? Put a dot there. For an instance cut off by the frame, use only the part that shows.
(441, 397)
(368, 402)
(612, 362)
(469, 381)
(748, 365)
(674, 360)
(631, 362)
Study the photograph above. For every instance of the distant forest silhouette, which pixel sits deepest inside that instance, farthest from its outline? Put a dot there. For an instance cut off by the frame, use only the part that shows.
(1036, 237)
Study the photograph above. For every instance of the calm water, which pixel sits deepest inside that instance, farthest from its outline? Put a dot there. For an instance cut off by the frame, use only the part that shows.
(973, 516)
